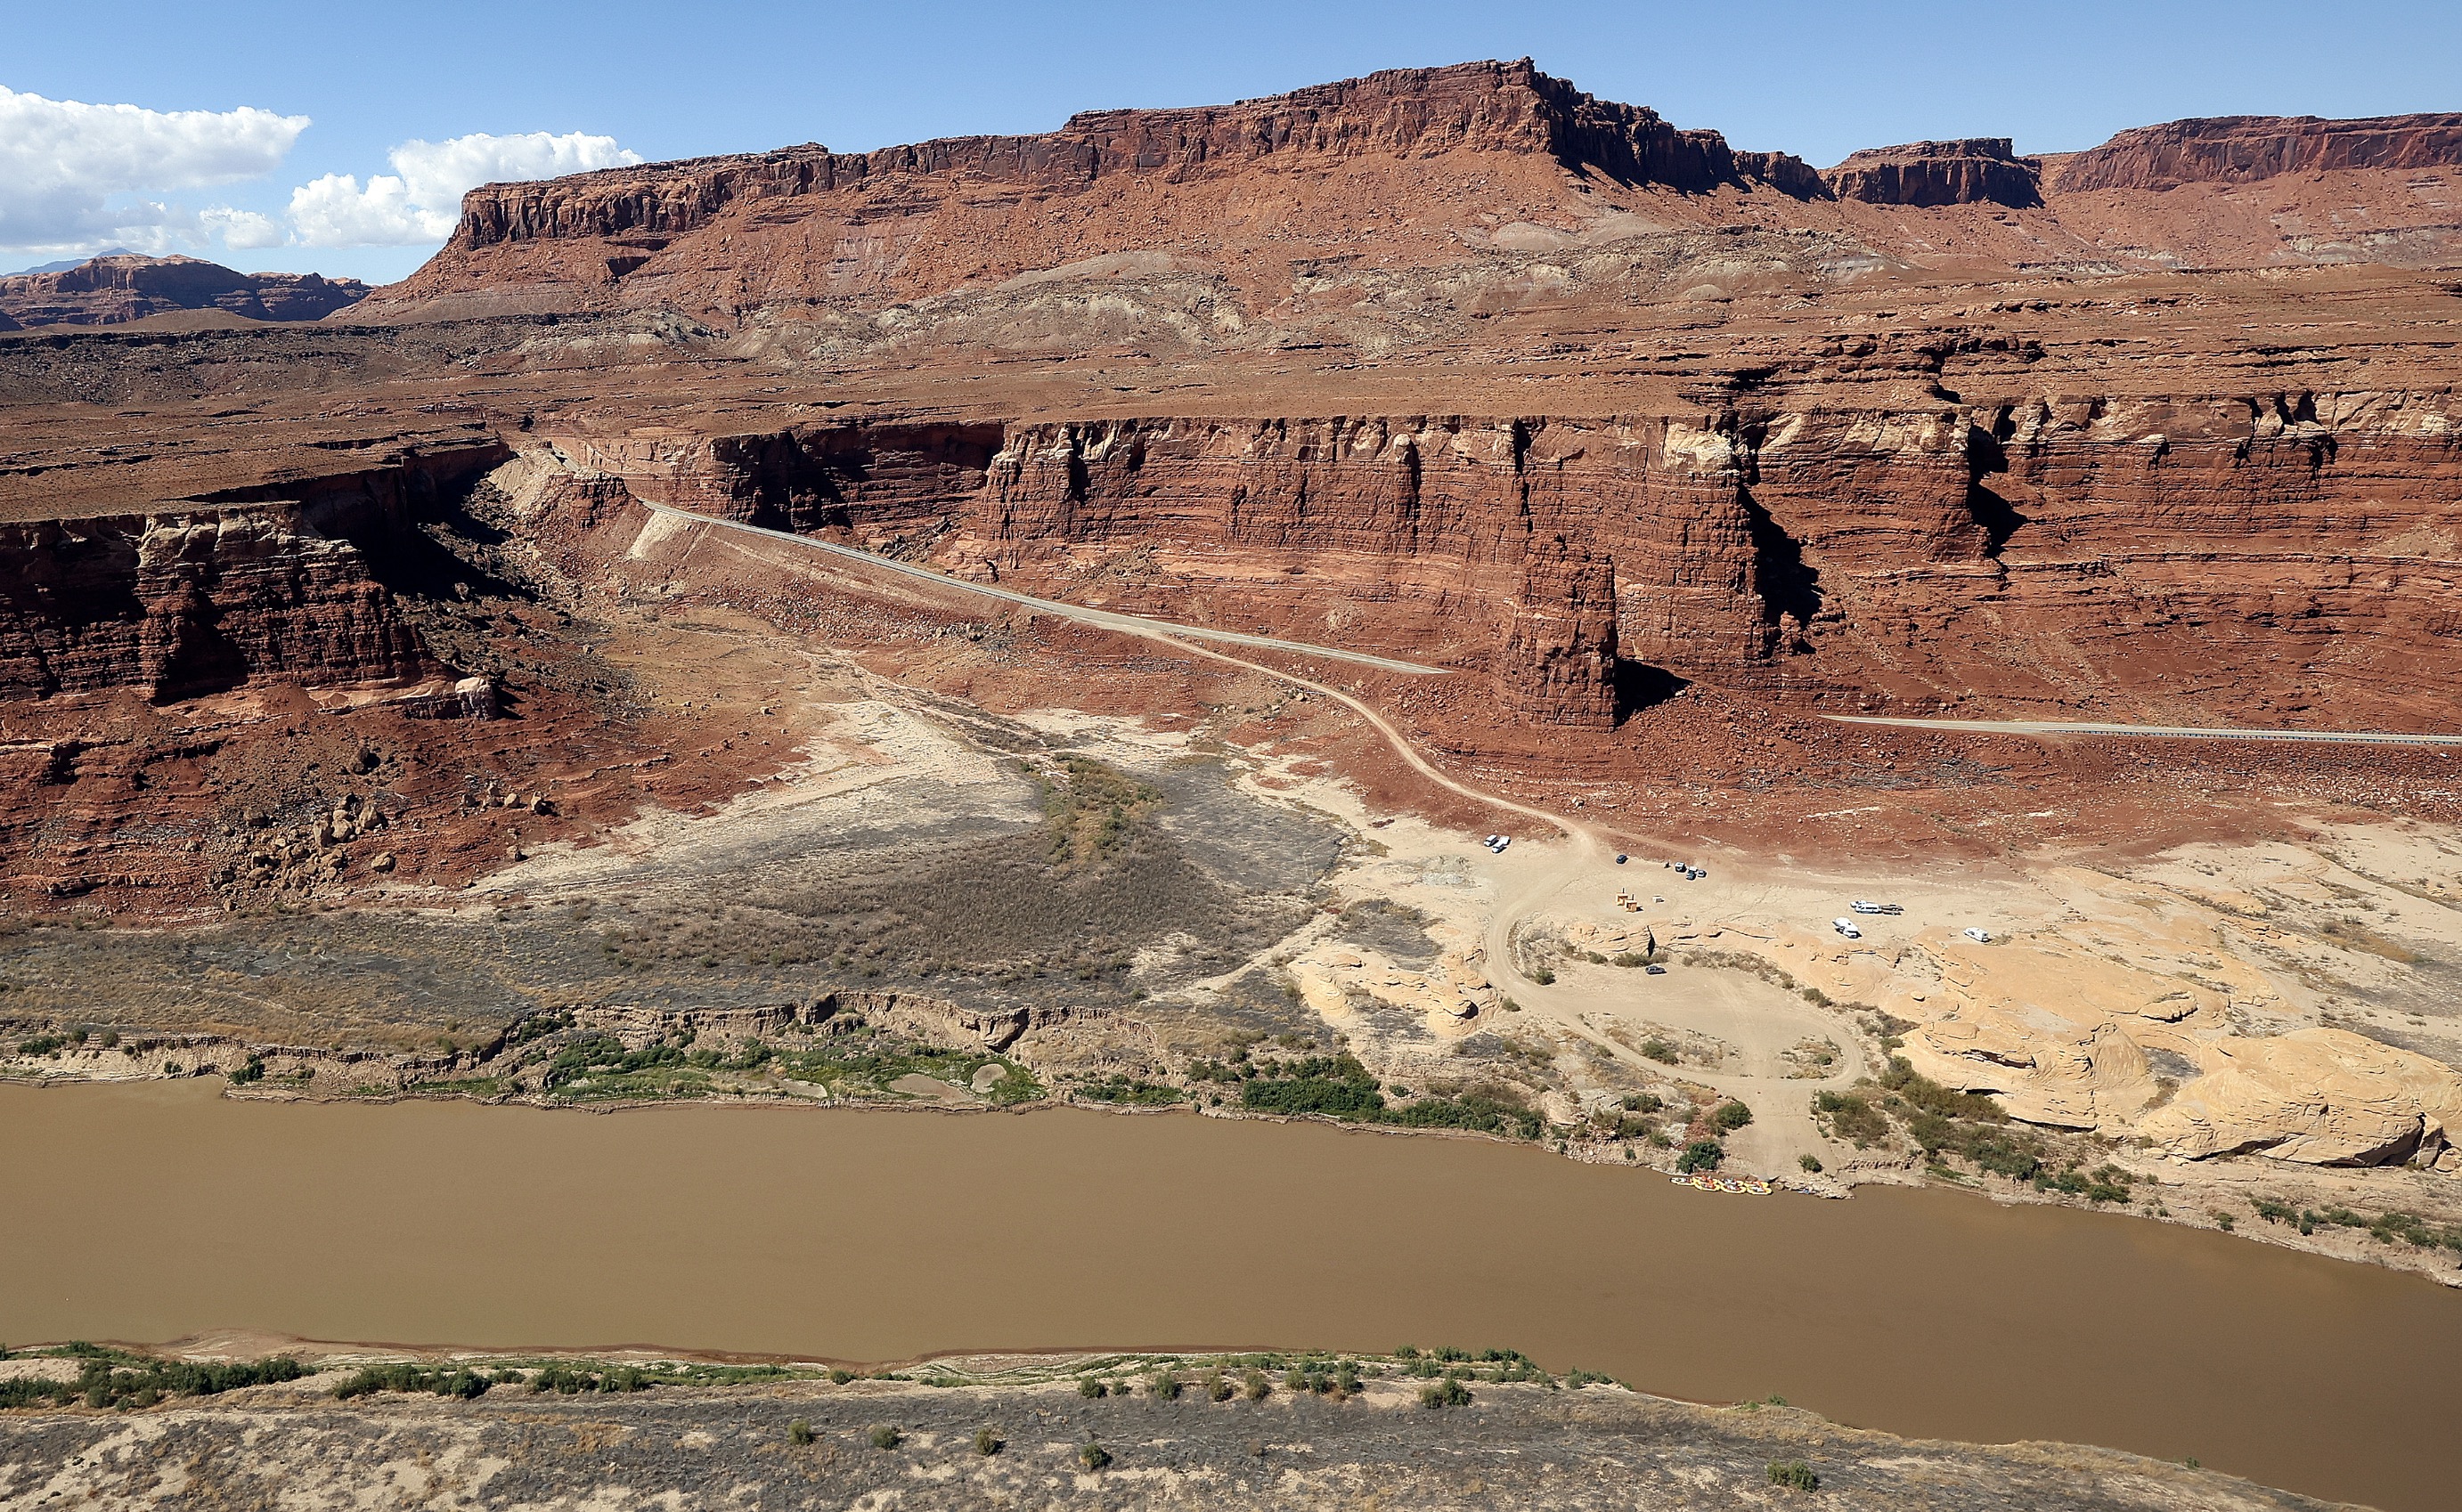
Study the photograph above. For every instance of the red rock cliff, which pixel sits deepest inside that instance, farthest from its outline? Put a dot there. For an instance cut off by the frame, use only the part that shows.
(2242, 149)
(1979, 170)
(195, 597)
(108, 290)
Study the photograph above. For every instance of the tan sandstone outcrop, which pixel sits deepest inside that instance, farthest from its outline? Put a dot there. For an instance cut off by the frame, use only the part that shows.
(2321, 1097)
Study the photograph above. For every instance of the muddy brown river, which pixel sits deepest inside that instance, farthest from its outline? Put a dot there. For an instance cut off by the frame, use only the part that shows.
(150, 1213)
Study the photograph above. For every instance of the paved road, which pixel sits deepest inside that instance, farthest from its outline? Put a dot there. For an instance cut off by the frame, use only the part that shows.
(1125, 624)
(2054, 727)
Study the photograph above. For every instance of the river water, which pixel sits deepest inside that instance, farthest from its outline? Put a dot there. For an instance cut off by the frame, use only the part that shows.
(151, 1211)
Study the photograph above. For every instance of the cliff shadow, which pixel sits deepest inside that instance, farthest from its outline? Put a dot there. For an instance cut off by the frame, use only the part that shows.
(1640, 686)
(1787, 583)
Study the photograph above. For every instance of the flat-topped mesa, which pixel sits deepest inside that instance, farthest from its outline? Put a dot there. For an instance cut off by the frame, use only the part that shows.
(2242, 149)
(1409, 167)
(124, 287)
(1975, 170)
(1481, 107)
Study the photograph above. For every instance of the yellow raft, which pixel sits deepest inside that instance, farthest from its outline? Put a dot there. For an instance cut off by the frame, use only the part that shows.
(1751, 1185)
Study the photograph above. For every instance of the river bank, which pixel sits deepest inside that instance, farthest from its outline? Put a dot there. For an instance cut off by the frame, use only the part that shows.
(973, 1433)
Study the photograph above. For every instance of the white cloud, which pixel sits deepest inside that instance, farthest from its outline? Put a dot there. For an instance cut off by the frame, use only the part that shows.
(420, 201)
(240, 229)
(65, 166)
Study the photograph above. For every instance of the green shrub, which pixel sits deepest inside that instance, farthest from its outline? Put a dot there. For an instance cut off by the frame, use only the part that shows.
(987, 1443)
(1093, 1455)
(1542, 976)
(799, 1432)
(1164, 1385)
(887, 1437)
(1852, 1117)
(1255, 1387)
(1218, 1387)
(1446, 1393)
(1089, 1388)
(251, 1069)
(1793, 1474)
(1731, 1117)
(840, 1377)
(1810, 1163)
(1701, 1154)
(1658, 1050)
(1627, 958)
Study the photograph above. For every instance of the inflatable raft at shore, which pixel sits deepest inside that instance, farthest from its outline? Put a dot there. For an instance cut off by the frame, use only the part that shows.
(1751, 1185)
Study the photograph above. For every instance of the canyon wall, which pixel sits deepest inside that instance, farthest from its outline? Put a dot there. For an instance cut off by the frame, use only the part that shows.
(2244, 149)
(1975, 171)
(194, 597)
(2050, 554)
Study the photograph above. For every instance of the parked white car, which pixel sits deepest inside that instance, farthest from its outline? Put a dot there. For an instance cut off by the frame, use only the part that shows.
(1847, 927)
(1978, 936)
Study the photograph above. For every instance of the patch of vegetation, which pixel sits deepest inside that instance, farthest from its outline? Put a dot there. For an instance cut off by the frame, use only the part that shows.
(1090, 811)
(864, 1062)
(1448, 1392)
(1093, 1455)
(117, 1378)
(1810, 1163)
(887, 1437)
(1794, 1475)
(2389, 1228)
(799, 1431)
(1730, 1116)
(460, 1381)
(1852, 1117)
(571, 1381)
(1701, 1154)
(1125, 1091)
(1659, 1051)
(41, 1045)
(989, 1443)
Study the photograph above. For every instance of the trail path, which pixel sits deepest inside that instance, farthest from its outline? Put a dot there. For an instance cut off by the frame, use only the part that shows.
(1105, 619)
(2056, 727)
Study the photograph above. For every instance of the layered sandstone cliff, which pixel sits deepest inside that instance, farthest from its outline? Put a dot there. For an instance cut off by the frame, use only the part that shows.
(1981, 170)
(2244, 149)
(198, 596)
(113, 290)
(2050, 553)
(1326, 172)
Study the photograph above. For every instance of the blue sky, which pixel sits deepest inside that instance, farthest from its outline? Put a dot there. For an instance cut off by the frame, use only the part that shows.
(363, 122)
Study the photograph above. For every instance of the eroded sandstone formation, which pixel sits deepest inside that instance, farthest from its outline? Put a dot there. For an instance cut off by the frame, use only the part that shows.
(2244, 149)
(181, 602)
(124, 287)
(1977, 170)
